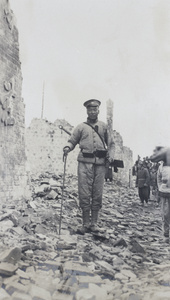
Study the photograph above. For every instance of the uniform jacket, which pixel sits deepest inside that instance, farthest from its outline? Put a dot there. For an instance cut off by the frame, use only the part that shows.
(89, 141)
(153, 178)
(143, 177)
(163, 179)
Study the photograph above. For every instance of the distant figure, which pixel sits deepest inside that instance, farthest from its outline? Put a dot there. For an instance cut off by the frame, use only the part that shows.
(153, 183)
(135, 167)
(163, 180)
(147, 165)
(143, 182)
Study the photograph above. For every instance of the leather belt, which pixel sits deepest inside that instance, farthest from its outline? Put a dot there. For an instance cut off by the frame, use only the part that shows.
(97, 153)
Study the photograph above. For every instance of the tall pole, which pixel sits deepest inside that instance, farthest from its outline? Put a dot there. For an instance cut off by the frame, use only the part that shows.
(42, 110)
(110, 114)
(111, 145)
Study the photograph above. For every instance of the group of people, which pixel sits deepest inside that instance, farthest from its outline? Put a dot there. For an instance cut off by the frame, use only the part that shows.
(152, 175)
(146, 179)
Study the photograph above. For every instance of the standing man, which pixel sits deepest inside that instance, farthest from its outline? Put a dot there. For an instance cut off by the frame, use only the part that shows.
(163, 180)
(143, 182)
(92, 139)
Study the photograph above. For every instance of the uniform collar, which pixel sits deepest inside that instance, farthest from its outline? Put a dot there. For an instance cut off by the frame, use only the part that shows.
(90, 121)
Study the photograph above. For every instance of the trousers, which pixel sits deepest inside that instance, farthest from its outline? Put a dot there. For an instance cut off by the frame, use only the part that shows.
(165, 205)
(90, 185)
(144, 193)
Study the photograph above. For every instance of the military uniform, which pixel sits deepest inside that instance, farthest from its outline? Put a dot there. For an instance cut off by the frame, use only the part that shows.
(92, 139)
(143, 184)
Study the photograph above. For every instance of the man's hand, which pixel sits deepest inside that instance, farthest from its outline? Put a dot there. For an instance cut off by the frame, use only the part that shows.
(66, 150)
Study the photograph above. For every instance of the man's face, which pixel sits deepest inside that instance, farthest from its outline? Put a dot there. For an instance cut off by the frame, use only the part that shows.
(92, 112)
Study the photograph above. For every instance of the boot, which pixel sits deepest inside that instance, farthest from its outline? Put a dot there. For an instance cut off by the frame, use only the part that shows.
(94, 218)
(86, 222)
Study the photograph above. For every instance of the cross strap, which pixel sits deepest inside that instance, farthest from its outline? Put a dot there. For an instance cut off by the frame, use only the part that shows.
(97, 133)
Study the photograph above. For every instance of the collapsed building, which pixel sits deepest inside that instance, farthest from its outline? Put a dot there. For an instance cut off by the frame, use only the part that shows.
(128, 260)
(39, 148)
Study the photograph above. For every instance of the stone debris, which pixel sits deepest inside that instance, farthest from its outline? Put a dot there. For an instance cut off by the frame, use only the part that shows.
(11, 255)
(128, 259)
(7, 269)
(4, 295)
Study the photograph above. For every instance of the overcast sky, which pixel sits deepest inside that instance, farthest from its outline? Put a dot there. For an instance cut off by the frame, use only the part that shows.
(103, 49)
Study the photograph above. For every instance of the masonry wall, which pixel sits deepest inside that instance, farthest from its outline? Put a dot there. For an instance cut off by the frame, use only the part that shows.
(118, 151)
(44, 147)
(124, 153)
(13, 178)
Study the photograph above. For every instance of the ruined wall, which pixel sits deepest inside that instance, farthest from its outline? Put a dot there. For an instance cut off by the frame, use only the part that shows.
(118, 151)
(44, 147)
(122, 153)
(13, 178)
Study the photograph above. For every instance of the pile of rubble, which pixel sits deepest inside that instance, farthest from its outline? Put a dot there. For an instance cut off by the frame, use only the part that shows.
(127, 260)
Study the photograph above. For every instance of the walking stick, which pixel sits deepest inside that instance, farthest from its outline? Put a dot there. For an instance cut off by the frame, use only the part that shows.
(64, 160)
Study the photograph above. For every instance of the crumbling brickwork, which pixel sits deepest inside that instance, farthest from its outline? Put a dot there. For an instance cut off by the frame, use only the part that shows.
(118, 151)
(44, 147)
(122, 153)
(13, 179)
